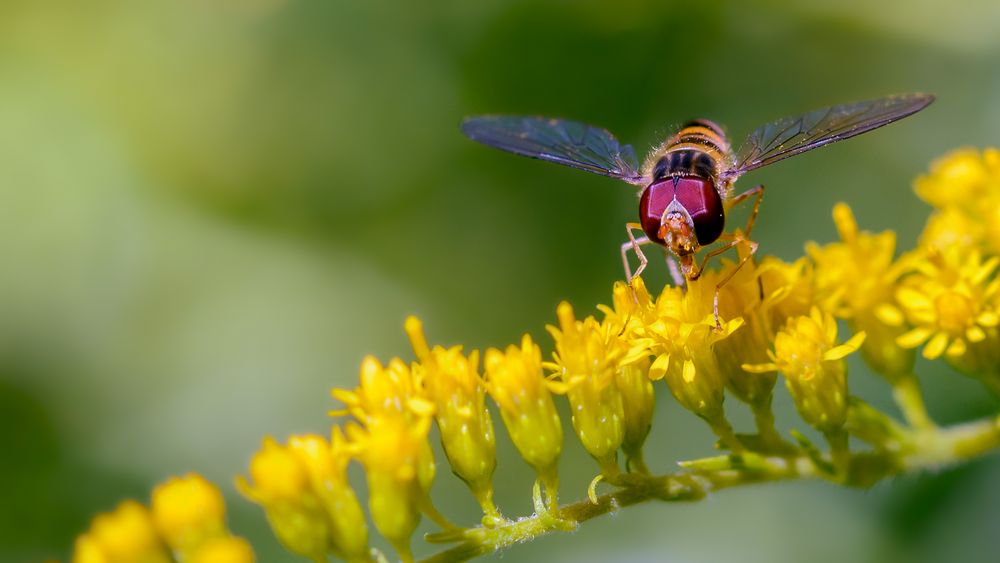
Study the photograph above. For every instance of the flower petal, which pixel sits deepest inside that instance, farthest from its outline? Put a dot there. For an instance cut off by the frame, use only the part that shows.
(849, 347)
(759, 368)
(889, 314)
(957, 348)
(914, 338)
(988, 319)
(975, 334)
(913, 299)
(936, 346)
(659, 366)
(689, 372)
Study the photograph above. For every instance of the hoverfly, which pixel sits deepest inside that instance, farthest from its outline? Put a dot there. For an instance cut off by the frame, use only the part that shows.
(687, 181)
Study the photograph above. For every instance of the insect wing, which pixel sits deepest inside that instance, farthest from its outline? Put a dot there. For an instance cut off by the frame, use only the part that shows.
(793, 135)
(557, 140)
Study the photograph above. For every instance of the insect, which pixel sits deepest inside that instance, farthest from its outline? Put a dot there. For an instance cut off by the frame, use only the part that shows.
(687, 181)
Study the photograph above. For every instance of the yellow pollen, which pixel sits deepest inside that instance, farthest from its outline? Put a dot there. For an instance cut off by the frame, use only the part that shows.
(955, 311)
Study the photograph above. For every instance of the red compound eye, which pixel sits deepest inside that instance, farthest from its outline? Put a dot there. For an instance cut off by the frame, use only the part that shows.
(654, 202)
(697, 195)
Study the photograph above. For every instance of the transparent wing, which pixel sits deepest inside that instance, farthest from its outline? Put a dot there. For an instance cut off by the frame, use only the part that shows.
(556, 140)
(793, 135)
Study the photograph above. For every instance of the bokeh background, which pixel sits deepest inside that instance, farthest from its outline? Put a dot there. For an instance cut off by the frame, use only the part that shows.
(211, 210)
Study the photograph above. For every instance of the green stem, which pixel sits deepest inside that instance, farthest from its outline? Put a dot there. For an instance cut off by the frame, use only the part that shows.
(635, 462)
(767, 431)
(840, 452)
(483, 491)
(764, 418)
(906, 392)
(550, 481)
(926, 449)
(724, 431)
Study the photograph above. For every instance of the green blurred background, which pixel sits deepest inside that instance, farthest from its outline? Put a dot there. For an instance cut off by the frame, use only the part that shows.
(211, 210)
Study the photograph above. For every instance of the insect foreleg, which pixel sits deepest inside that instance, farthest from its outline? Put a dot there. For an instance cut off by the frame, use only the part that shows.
(634, 244)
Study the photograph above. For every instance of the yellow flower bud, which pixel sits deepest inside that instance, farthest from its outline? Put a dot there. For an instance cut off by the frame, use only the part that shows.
(586, 361)
(325, 463)
(88, 550)
(453, 384)
(226, 549)
(962, 178)
(514, 379)
(281, 486)
(390, 441)
(952, 227)
(125, 535)
(633, 308)
(638, 405)
(188, 511)
(788, 289)
(399, 467)
(385, 391)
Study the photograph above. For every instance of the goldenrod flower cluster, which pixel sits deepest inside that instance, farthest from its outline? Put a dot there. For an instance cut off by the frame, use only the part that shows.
(949, 296)
(731, 333)
(185, 523)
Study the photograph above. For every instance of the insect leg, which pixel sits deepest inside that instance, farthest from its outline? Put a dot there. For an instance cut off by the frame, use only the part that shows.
(718, 287)
(675, 270)
(634, 244)
(758, 193)
(713, 253)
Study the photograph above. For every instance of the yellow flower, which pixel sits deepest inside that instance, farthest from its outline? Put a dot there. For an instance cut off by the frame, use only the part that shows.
(188, 511)
(638, 404)
(325, 463)
(399, 468)
(681, 335)
(187, 515)
(743, 296)
(762, 296)
(855, 280)
(281, 485)
(586, 362)
(965, 187)
(391, 442)
(964, 178)
(950, 300)
(453, 384)
(514, 379)
(788, 288)
(385, 391)
(952, 227)
(633, 306)
(227, 549)
(807, 354)
(126, 535)
(855, 275)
